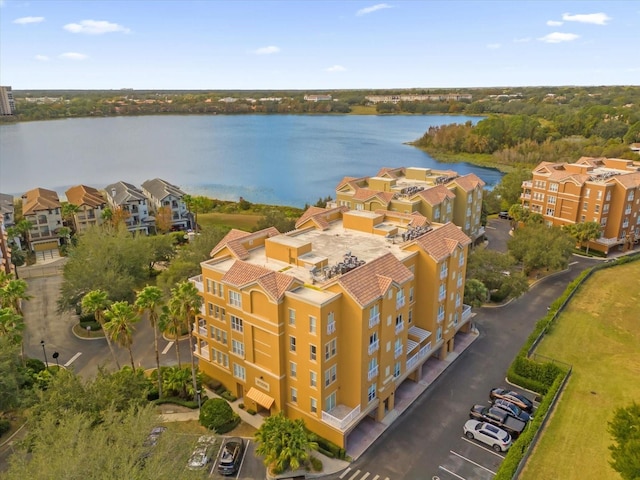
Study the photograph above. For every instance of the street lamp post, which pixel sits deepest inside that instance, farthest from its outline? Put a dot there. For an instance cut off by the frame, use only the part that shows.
(46, 362)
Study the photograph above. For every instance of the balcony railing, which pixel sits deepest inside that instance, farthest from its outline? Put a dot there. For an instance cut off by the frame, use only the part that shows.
(340, 423)
(399, 303)
(527, 184)
(422, 353)
(466, 312)
(202, 352)
(374, 346)
(373, 373)
(197, 281)
(442, 296)
(443, 273)
(331, 327)
(375, 320)
(397, 352)
(399, 327)
(440, 317)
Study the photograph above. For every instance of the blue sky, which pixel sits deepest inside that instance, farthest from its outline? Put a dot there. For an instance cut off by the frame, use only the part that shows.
(265, 45)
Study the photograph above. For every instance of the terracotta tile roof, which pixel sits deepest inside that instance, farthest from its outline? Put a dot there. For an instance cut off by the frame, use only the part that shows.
(235, 239)
(39, 199)
(391, 172)
(564, 176)
(468, 182)
(310, 212)
(318, 216)
(441, 242)
(415, 219)
(242, 274)
(81, 195)
(436, 195)
(345, 181)
(630, 180)
(372, 280)
(365, 194)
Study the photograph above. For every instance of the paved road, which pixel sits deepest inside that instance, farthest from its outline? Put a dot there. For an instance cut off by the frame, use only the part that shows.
(428, 435)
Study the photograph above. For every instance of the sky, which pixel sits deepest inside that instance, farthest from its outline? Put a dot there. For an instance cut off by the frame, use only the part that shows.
(316, 44)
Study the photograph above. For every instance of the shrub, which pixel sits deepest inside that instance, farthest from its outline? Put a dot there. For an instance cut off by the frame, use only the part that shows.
(34, 364)
(216, 413)
(227, 395)
(241, 406)
(177, 401)
(316, 464)
(211, 383)
(227, 427)
(251, 411)
(5, 426)
(330, 449)
(95, 326)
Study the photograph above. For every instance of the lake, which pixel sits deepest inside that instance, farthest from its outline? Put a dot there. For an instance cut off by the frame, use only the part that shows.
(271, 159)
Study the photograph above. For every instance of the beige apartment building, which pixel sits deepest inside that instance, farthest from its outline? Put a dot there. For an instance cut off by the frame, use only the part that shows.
(42, 208)
(324, 323)
(440, 195)
(602, 190)
(7, 103)
(90, 202)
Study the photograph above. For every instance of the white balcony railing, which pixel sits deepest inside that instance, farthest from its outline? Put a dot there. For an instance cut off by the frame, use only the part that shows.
(399, 303)
(399, 327)
(375, 320)
(466, 312)
(371, 374)
(197, 281)
(422, 353)
(442, 295)
(331, 327)
(527, 184)
(443, 273)
(340, 423)
(440, 317)
(374, 346)
(397, 352)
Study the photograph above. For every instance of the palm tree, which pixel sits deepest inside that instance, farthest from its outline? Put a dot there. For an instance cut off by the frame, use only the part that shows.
(96, 302)
(284, 443)
(69, 211)
(11, 326)
(121, 317)
(177, 380)
(170, 323)
(150, 299)
(23, 227)
(12, 293)
(186, 303)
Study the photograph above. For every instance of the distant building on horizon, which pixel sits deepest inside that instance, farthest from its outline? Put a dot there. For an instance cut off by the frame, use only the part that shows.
(7, 104)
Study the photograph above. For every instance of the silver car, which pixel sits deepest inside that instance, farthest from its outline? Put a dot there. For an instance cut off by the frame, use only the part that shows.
(488, 434)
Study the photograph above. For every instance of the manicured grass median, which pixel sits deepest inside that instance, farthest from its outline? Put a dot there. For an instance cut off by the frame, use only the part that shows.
(599, 334)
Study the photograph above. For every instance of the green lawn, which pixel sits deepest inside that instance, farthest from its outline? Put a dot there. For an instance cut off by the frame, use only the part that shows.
(240, 221)
(599, 334)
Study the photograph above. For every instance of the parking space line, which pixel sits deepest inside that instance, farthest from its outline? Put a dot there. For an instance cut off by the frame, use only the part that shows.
(345, 472)
(451, 473)
(354, 475)
(483, 448)
(167, 348)
(244, 455)
(73, 359)
(471, 461)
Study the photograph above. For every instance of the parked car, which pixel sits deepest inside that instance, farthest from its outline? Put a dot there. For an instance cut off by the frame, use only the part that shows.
(202, 454)
(230, 456)
(498, 418)
(505, 216)
(488, 434)
(512, 409)
(154, 436)
(514, 397)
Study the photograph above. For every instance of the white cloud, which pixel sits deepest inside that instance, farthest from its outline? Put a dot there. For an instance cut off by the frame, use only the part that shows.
(41, 58)
(522, 40)
(554, 23)
(336, 68)
(558, 37)
(26, 20)
(95, 27)
(595, 18)
(271, 49)
(493, 46)
(373, 8)
(73, 56)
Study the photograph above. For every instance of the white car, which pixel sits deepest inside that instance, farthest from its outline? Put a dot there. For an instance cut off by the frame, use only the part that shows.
(488, 434)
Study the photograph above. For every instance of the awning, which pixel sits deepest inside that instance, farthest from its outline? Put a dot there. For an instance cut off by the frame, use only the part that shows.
(260, 398)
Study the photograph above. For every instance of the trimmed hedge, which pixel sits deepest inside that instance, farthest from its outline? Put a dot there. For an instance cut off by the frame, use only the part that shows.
(228, 396)
(227, 427)
(330, 449)
(193, 404)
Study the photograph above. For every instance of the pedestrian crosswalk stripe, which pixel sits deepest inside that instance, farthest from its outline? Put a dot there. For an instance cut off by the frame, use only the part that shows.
(354, 475)
(345, 472)
(364, 477)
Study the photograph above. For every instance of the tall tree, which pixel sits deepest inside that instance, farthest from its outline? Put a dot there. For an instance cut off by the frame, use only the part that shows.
(170, 323)
(11, 327)
(186, 302)
(625, 430)
(150, 300)
(584, 232)
(23, 227)
(163, 219)
(541, 247)
(13, 293)
(96, 303)
(121, 318)
(69, 211)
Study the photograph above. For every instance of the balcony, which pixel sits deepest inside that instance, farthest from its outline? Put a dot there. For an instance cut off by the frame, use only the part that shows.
(397, 352)
(422, 353)
(341, 416)
(526, 196)
(202, 352)
(527, 184)
(399, 327)
(443, 273)
(466, 312)
(375, 320)
(197, 281)
(331, 327)
(442, 295)
(373, 373)
(399, 303)
(373, 347)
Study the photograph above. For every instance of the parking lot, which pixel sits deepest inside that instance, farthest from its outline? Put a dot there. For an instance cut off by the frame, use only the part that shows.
(470, 459)
(251, 467)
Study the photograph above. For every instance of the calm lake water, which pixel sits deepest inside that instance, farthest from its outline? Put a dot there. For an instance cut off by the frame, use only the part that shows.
(277, 159)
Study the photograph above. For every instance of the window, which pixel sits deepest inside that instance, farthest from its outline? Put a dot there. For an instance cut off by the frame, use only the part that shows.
(442, 293)
(219, 357)
(411, 294)
(219, 335)
(608, 197)
(237, 348)
(292, 317)
(293, 369)
(587, 193)
(371, 393)
(330, 349)
(292, 344)
(553, 187)
(374, 316)
(236, 324)
(331, 323)
(211, 309)
(211, 286)
(410, 317)
(239, 372)
(396, 369)
(330, 376)
(597, 210)
(313, 379)
(294, 395)
(585, 206)
(374, 343)
(551, 200)
(599, 196)
(439, 334)
(550, 212)
(373, 368)
(312, 352)
(331, 402)
(220, 290)
(216, 311)
(235, 299)
(312, 324)
(314, 405)
(399, 324)
(605, 209)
